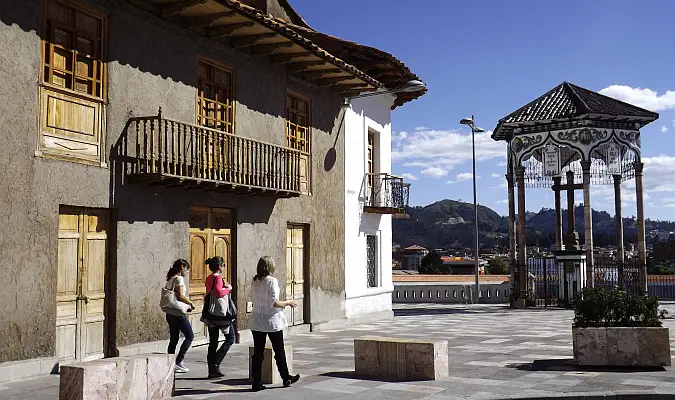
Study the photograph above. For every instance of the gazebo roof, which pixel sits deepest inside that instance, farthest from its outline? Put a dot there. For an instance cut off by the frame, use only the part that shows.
(568, 101)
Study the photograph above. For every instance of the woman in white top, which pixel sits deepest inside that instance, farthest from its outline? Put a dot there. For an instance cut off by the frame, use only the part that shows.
(179, 322)
(268, 320)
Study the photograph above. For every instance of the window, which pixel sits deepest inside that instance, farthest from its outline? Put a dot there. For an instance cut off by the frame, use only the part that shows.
(215, 99)
(371, 262)
(297, 123)
(371, 150)
(73, 50)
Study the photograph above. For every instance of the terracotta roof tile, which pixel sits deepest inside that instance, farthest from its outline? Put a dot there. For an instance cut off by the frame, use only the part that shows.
(449, 278)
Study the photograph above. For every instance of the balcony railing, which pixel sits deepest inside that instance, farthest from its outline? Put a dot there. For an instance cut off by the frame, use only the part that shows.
(162, 150)
(386, 194)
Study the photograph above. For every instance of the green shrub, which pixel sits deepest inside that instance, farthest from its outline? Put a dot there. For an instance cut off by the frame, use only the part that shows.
(597, 307)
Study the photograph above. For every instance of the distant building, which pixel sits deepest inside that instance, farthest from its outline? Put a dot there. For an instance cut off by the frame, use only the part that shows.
(664, 251)
(463, 265)
(411, 257)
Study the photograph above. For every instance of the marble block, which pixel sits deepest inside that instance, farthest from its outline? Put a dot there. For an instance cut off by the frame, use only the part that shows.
(401, 359)
(270, 373)
(160, 375)
(88, 381)
(621, 347)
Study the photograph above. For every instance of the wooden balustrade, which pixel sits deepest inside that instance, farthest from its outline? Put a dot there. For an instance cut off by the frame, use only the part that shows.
(162, 149)
(386, 194)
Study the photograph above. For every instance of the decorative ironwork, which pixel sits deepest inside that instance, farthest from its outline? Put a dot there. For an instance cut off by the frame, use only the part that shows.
(522, 143)
(174, 152)
(585, 136)
(371, 260)
(386, 194)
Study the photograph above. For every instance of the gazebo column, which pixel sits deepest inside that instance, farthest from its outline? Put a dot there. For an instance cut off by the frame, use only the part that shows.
(558, 213)
(571, 218)
(512, 231)
(642, 244)
(619, 228)
(522, 255)
(588, 222)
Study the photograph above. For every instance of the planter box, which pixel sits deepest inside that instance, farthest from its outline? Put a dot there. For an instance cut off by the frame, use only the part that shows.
(621, 347)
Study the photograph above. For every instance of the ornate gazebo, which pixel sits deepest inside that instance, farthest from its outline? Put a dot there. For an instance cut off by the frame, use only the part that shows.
(582, 137)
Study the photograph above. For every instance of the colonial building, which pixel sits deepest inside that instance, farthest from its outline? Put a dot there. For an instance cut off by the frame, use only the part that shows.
(138, 132)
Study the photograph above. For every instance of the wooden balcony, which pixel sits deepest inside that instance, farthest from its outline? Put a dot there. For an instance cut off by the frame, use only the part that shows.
(158, 150)
(386, 194)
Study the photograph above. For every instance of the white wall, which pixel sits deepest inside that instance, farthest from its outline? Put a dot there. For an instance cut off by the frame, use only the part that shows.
(364, 115)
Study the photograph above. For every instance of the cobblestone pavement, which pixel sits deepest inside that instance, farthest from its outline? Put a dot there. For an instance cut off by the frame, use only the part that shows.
(494, 353)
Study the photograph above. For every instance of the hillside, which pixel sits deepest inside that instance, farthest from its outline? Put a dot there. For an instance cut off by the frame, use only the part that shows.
(449, 223)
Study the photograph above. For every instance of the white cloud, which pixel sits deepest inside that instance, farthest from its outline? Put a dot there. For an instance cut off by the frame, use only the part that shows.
(409, 177)
(495, 175)
(505, 201)
(659, 174)
(421, 128)
(442, 149)
(645, 98)
(465, 176)
(502, 164)
(664, 128)
(434, 172)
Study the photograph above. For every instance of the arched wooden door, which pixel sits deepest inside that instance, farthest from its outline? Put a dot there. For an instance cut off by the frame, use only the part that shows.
(210, 235)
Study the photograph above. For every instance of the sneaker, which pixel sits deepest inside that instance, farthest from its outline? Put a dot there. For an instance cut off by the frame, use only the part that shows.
(180, 368)
(257, 388)
(291, 380)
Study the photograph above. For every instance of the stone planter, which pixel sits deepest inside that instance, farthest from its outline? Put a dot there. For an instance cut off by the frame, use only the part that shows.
(621, 347)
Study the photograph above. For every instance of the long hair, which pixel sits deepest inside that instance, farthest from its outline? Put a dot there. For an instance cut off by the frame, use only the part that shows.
(265, 268)
(176, 267)
(214, 262)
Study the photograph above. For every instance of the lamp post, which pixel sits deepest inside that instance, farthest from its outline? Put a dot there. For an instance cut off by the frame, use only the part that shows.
(408, 87)
(474, 129)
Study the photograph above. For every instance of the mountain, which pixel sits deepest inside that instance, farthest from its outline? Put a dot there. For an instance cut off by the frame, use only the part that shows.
(449, 223)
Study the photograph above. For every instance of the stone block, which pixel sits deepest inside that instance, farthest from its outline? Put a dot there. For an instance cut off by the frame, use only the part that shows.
(401, 359)
(621, 347)
(270, 373)
(89, 381)
(160, 376)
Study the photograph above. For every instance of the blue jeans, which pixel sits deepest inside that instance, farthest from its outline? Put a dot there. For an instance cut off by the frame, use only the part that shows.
(215, 355)
(178, 324)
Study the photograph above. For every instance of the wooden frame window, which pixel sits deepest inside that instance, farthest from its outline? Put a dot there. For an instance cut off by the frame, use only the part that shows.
(297, 123)
(73, 49)
(215, 97)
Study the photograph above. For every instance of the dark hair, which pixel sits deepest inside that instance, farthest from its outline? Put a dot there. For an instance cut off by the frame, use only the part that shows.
(176, 267)
(265, 268)
(214, 262)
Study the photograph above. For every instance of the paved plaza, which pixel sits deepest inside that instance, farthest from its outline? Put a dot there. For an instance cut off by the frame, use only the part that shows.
(494, 353)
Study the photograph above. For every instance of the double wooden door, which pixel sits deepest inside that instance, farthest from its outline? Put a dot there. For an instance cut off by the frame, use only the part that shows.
(295, 272)
(80, 289)
(210, 236)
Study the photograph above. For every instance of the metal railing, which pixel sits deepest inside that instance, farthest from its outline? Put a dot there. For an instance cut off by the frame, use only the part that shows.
(386, 191)
(170, 148)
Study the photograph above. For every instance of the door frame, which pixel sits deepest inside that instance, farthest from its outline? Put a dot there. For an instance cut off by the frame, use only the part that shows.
(306, 299)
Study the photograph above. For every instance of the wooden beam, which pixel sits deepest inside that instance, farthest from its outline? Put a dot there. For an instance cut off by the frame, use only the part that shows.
(225, 30)
(242, 41)
(287, 58)
(332, 80)
(301, 65)
(320, 73)
(264, 49)
(206, 20)
(170, 9)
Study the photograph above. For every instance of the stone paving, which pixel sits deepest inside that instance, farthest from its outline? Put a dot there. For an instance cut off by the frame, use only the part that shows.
(494, 353)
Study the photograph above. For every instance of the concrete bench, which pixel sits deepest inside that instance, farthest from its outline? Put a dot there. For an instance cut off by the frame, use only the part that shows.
(400, 359)
(142, 377)
(270, 374)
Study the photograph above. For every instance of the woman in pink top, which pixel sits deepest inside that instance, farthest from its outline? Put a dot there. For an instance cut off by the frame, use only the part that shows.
(220, 288)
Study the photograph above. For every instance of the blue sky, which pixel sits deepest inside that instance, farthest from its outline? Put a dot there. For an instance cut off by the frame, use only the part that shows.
(488, 58)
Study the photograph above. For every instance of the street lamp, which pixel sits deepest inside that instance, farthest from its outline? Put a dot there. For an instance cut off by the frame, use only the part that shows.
(408, 87)
(474, 129)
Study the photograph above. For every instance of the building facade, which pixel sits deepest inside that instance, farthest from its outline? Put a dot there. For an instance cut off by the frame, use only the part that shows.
(136, 133)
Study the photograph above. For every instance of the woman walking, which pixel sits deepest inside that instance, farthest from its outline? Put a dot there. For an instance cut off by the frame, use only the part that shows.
(177, 320)
(219, 288)
(268, 320)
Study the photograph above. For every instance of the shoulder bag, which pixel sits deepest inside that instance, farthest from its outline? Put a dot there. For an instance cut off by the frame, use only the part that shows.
(169, 303)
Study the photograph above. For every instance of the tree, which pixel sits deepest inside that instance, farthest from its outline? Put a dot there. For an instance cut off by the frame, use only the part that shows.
(431, 264)
(497, 266)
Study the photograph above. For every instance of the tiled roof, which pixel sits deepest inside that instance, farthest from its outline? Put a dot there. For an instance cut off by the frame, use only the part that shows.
(567, 101)
(449, 278)
(280, 27)
(414, 247)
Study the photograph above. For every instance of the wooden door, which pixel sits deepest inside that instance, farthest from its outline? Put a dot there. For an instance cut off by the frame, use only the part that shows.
(210, 235)
(80, 289)
(295, 273)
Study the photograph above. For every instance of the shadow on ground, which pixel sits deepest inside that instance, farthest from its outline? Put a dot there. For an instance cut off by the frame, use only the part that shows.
(568, 364)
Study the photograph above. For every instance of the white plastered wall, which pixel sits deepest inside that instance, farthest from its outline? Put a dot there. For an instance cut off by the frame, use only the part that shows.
(370, 114)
